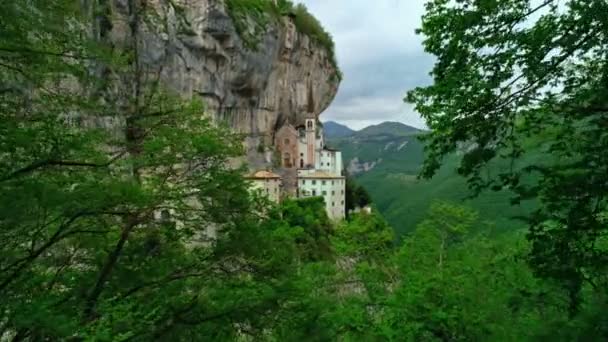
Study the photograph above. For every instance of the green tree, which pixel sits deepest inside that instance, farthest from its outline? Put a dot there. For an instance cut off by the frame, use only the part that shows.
(336, 295)
(310, 216)
(356, 196)
(515, 78)
(119, 216)
(457, 286)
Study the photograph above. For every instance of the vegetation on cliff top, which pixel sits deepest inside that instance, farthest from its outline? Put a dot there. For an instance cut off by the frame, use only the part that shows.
(251, 18)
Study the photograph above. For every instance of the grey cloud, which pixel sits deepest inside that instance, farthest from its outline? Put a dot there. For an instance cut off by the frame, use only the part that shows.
(380, 56)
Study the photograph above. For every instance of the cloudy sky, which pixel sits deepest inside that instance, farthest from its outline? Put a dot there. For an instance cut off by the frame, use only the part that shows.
(380, 55)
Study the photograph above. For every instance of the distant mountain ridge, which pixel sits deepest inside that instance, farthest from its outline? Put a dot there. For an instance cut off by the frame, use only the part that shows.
(333, 129)
(390, 128)
(387, 158)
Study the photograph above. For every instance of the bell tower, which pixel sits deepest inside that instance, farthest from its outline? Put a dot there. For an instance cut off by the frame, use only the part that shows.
(311, 128)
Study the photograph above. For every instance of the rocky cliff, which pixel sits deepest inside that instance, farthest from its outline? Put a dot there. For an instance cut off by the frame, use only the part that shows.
(199, 53)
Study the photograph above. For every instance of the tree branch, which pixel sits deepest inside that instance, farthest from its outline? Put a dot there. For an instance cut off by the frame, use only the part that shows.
(46, 53)
(53, 162)
(108, 267)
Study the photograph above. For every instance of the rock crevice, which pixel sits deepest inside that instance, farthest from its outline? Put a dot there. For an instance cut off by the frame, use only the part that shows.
(198, 52)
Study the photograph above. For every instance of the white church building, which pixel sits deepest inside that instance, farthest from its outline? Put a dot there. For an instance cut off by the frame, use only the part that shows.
(316, 169)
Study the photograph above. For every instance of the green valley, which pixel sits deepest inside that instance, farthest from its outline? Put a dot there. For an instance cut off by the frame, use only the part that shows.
(394, 155)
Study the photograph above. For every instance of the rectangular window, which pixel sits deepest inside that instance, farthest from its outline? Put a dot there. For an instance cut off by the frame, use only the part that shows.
(333, 204)
(322, 182)
(342, 202)
(333, 193)
(314, 192)
(324, 193)
(303, 182)
(314, 182)
(342, 192)
(332, 182)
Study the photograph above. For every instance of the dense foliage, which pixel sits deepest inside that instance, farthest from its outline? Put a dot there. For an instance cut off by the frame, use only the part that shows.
(520, 77)
(356, 196)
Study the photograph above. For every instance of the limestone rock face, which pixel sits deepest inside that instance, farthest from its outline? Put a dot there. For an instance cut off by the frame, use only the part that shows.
(195, 47)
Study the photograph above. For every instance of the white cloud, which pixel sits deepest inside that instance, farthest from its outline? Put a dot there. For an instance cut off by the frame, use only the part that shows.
(380, 55)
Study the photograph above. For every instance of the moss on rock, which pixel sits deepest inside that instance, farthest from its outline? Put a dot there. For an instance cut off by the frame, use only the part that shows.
(252, 17)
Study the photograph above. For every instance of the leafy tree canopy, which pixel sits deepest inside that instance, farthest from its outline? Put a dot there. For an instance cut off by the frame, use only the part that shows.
(518, 77)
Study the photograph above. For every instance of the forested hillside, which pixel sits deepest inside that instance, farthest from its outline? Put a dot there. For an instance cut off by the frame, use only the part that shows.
(394, 154)
(335, 130)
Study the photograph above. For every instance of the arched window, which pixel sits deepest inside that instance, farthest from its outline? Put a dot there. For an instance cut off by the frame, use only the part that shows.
(301, 163)
(165, 215)
(286, 160)
(309, 124)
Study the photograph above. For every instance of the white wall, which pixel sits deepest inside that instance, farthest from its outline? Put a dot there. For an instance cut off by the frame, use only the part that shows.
(331, 189)
(302, 150)
(320, 142)
(330, 161)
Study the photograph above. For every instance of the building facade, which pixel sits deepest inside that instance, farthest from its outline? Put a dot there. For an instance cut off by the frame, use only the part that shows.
(314, 183)
(287, 143)
(314, 169)
(267, 183)
(329, 160)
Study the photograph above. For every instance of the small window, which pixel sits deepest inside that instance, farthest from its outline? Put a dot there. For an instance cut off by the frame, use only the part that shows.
(304, 182)
(267, 191)
(314, 182)
(286, 141)
(165, 215)
(342, 192)
(342, 202)
(301, 154)
(324, 193)
(322, 182)
(332, 182)
(314, 192)
(333, 204)
(333, 193)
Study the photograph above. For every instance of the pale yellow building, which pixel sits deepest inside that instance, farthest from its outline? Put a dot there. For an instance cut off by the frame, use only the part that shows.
(268, 183)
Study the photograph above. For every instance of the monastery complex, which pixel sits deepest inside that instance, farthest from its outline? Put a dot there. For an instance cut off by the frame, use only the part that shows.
(308, 168)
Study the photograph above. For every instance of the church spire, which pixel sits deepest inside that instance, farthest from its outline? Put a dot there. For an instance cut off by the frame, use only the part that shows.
(311, 100)
(311, 129)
